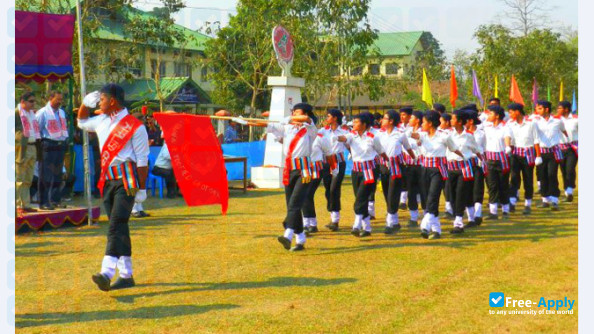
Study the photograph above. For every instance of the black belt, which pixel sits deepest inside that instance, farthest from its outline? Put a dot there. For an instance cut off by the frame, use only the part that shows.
(53, 141)
(33, 143)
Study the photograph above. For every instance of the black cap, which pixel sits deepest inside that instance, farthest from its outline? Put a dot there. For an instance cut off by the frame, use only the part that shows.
(308, 109)
(471, 106)
(498, 110)
(336, 113)
(408, 110)
(516, 106)
(446, 116)
(473, 115)
(461, 115)
(433, 117)
(439, 107)
(418, 114)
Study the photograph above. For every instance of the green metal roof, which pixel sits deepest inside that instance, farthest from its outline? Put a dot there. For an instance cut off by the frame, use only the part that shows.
(145, 89)
(397, 43)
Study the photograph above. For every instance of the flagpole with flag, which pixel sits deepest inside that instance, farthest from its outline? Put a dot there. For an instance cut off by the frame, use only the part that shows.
(476, 90)
(514, 92)
(548, 92)
(573, 103)
(496, 88)
(534, 93)
(561, 91)
(426, 96)
(453, 88)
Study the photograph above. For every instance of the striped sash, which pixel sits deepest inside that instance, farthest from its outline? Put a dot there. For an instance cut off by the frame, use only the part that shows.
(365, 167)
(527, 152)
(305, 166)
(556, 150)
(394, 165)
(464, 166)
(409, 161)
(573, 145)
(499, 156)
(334, 159)
(127, 173)
(439, 163)
(316, 169)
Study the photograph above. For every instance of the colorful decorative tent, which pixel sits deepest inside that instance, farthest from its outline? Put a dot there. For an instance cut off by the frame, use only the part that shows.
(43, 46)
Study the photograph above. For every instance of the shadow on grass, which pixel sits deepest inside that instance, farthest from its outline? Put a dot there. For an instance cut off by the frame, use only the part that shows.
(276, 282)
(153, 312)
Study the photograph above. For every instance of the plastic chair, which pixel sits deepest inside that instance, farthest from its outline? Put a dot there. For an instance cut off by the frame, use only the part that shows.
(152, 180)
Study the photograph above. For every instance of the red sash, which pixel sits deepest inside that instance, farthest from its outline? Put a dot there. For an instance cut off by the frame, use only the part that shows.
(289, 157)
(117, 139)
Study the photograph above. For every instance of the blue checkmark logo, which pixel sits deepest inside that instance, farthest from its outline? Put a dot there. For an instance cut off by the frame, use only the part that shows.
(496, 299)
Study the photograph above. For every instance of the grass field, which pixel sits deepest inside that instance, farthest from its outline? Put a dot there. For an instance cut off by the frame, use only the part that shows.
(199, 272)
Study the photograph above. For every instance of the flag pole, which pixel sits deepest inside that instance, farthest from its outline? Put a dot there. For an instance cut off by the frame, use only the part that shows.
(87, 165)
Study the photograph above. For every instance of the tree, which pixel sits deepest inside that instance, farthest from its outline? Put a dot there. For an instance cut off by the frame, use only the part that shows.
(526, 15)
(432, 59)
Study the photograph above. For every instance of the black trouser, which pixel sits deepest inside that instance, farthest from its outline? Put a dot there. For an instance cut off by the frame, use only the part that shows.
(431, 187)
(460, 192)
(362, 191)
(169, 177)
(118, 206)
(568, 165)
(333, 185)
(50, 171)
(413, 185)
(549, 184)
(447, 190)
(498, 183)
(309, 206)
(391, 188)
(376, 177)
(521, 169)
(295, 195)
(478, 187)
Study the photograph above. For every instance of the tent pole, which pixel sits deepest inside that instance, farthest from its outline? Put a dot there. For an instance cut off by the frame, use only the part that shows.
(83, 92)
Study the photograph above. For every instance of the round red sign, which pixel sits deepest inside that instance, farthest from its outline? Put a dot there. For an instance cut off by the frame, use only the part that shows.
(283, 44)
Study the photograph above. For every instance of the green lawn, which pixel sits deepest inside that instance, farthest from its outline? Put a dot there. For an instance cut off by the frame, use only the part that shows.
(200, 272)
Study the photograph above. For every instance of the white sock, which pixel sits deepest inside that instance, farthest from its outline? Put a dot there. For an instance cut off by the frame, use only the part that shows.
(414, 215)
(459, 221)
(418, 198)
(493, 208)
(448, 207)
(108, 266)
(300, 238)
(554, 199)
(367, 224)
(335, 216)
(389, 220)
(425, 223)
(358, 221)
(135, 208)
(305, 222)
(435, 224)
(569, 191)
(513, 200)
(403, 196)
(545, 199)
(470, 213)
(125, 266)
(538, 182)
(478, 209)
(528, 202)
(371, 208)
(505, 208)
(313, 221)
(289, 233)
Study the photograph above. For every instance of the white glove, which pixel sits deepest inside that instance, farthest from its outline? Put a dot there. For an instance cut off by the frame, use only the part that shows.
(92, 99)
(286, 120)
(239, 120)
(350, 157)
(538, 161)
(334, 139)
(508, 150)
(140, 196)
(335, 171)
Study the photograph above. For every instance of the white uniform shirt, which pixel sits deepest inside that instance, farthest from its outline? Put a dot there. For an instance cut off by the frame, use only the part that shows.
(436, 146)
(364, 147)
(47, 114)
(495, 137)
(164, 159)
(465, 143)
(571, 126)
(523, 135)
(322, 146)
(136, 149)
(289, 131)
(337, 147)
(550, 132)
(480, 139)
(393, 142)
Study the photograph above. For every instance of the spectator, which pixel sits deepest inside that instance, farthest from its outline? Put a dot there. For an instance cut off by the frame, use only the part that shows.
(164, 169)
(231, 133)
(26, 135)
(154, 132)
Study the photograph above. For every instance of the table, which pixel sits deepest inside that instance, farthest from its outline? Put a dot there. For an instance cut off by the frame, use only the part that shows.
(229, 158)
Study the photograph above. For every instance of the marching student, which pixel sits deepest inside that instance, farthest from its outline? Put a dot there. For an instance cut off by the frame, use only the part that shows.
(550, 134)
(497, 153)
(525, 155)
(475, 213)
(446, 127)
(414, 169)
(405, 115)
(569, 147)
(440, 108)
(391, 169)
(336, 161)
(460, 170)
(373, 129)
(124, 168)
(435, 144)
(298, 133)
(365, 146)
(320, 149)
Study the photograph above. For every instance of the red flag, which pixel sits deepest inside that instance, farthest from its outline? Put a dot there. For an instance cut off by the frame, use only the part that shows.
(453, 88)
(514, 92)
(197, 159)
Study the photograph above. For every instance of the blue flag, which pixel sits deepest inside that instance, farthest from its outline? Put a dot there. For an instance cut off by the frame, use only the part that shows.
(573, 104)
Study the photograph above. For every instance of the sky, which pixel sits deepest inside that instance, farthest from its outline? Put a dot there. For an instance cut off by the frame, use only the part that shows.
(452, 22)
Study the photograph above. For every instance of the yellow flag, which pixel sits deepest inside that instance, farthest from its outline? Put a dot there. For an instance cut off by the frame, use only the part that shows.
(496, 91)
(426, 97)
(561, 91)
